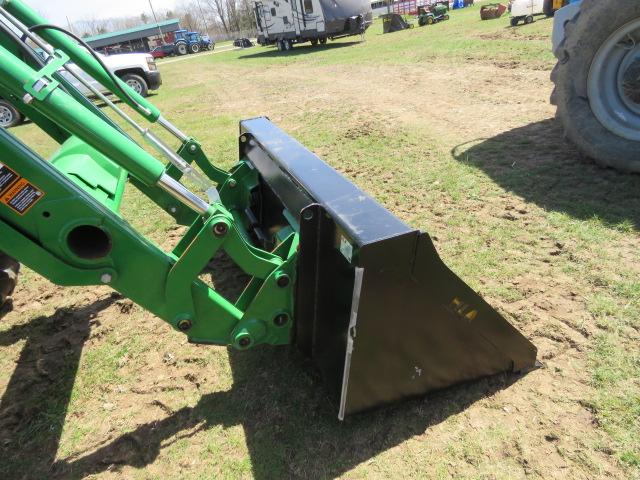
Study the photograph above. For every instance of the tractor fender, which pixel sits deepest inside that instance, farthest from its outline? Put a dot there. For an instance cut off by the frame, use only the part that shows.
(561, 18)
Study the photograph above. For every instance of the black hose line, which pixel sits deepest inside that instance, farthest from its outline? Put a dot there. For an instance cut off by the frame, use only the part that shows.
(112, 76)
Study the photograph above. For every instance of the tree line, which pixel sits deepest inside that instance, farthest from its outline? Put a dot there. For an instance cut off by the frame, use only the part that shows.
(218, 18)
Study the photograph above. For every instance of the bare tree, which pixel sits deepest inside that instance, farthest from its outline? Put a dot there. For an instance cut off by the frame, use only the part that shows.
(93, 26)
(218, 6)
(218, 18)
(232, 15)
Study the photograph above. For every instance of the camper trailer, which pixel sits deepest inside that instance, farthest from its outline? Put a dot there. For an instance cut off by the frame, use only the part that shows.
(284, 23)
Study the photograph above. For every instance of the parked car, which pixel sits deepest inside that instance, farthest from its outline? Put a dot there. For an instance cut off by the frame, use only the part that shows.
(9, 116)
(162, 51)
(138, 70)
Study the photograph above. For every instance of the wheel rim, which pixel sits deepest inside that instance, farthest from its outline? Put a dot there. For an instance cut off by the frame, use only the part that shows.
(6, 116)
(135, 85)
(613, 85)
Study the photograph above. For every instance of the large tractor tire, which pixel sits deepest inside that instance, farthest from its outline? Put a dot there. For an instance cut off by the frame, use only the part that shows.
(597, 82)
(182, 49)
(9, 270)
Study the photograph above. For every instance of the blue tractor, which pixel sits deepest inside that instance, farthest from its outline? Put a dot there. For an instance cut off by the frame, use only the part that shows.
(191, 42)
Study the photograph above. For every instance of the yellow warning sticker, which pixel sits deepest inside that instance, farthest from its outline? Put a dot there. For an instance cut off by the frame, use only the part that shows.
(21, 196)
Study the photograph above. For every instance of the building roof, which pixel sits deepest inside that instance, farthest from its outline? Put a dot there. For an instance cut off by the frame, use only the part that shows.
(141, 31)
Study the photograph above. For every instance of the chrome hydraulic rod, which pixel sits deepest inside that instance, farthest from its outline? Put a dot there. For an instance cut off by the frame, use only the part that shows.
(170, 127)
(183, 194)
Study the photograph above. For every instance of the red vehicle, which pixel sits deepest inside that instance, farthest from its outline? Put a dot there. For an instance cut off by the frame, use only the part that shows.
(162, 51)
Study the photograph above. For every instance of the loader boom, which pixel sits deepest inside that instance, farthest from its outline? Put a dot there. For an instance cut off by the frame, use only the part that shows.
(355, 288)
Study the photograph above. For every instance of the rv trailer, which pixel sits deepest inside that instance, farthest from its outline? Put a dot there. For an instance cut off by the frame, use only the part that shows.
(284, 23)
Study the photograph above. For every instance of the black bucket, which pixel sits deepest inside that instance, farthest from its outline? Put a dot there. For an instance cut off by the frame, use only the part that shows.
(375, 308)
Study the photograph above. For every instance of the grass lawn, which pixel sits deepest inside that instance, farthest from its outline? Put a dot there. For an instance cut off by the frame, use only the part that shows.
(448, 126)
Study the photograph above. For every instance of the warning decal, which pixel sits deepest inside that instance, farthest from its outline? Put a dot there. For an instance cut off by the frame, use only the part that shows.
(21, 196)
(7, 178)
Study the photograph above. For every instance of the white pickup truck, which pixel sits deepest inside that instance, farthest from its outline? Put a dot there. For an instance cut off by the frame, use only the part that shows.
(138, 70)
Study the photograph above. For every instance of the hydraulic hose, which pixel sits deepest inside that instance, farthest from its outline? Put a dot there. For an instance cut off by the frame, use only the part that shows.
(114, 79)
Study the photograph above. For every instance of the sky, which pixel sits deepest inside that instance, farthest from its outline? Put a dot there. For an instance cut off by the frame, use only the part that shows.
(57, 11)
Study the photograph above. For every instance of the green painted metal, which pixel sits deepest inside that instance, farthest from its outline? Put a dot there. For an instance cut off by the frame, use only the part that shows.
(92, 171)
(167, 284)
(191, 151)
(72, 231)
(44, 81)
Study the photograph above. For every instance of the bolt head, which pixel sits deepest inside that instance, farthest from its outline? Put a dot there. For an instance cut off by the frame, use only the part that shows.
(193, 148)
(106, 278)
(281, 320)
(244, 342)
(220, 229)
(283, 280)
(184, 325)
(232, 183)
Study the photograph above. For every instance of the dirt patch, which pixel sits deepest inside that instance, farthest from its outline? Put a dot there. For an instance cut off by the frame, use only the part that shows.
(511, 34)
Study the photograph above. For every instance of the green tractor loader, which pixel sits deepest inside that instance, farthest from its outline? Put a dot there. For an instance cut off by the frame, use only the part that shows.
(333, 273)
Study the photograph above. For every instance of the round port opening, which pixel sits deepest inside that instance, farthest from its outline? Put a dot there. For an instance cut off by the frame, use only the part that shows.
(89, 242)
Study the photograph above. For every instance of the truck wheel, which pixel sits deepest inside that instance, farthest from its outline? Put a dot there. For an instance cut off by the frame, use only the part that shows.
(515, 21)
(195, 48)
(9, 116)
(137, 83)
(9, 270)
(314, 42)
(597, 83)
(181, 48)
(323, 41)
(528, 19)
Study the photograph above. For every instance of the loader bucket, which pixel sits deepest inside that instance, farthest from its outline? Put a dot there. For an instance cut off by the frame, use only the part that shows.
(376, 309)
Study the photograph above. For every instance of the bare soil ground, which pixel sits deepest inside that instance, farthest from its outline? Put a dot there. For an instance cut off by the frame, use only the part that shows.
(93, 386)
